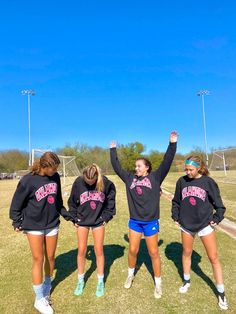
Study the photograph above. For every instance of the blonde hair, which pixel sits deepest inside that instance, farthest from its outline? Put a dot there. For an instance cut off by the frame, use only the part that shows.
(93, 172)
(202, 166)
(48, 159)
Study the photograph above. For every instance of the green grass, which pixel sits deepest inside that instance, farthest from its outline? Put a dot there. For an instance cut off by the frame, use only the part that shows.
(227, 187)
(15, 262)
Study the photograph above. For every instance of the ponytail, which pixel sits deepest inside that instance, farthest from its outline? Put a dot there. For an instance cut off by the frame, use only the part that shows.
(203, 170)
(93, 172)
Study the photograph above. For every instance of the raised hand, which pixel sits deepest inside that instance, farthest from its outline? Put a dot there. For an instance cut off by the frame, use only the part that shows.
(173, 137)
(113, 144)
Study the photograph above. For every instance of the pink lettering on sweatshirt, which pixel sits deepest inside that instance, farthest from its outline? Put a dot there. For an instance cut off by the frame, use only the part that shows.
(45, 190)
(193, 191)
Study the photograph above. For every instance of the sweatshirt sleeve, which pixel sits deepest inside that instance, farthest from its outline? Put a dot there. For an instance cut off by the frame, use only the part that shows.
(165, 165)
(19, 201)
(61, 208)
(216, 201)
(73, 202)
(116, 165)
(176, 202)
(110, 209)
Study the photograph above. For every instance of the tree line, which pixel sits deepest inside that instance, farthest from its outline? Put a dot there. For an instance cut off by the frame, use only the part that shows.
(15, 160)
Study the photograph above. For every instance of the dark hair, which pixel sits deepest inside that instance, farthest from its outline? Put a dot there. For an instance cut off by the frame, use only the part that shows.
(202, 166)
(146, 162)
(48, 159)
(93, 172)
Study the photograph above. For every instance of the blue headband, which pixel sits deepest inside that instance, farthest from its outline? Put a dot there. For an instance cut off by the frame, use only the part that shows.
(192, 163)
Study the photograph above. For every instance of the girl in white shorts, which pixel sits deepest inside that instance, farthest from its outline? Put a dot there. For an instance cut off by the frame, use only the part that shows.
(35, 209)
(197, 207)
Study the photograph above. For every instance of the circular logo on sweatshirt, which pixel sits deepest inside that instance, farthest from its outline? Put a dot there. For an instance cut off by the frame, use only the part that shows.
(139, 190)
(192, 201)
(93, 205)
(51, 199)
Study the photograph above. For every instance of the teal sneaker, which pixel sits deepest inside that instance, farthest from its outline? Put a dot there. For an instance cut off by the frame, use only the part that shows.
(100, 289)
(79, 288)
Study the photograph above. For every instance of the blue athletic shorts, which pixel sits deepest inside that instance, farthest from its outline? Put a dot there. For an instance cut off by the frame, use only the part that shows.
(148, 228)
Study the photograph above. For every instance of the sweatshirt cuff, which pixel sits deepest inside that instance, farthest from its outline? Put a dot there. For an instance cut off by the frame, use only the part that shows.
(217, 219)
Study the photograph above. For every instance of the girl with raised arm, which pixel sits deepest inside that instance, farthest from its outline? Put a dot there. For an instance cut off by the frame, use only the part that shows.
(143, 194)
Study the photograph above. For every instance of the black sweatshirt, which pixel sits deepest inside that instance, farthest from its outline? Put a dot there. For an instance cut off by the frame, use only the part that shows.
(197, 202)
(37, 203)
(143, 193)
(89, 207)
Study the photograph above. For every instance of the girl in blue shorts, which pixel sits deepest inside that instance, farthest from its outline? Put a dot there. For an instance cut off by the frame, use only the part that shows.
(143, 194)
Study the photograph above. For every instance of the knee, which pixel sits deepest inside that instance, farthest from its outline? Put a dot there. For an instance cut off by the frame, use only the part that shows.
(38, 259)
(214, 259)
(133, 251)
(82, 252)
(51, 258)
(99, 252)
(187, 253)
(154, 254)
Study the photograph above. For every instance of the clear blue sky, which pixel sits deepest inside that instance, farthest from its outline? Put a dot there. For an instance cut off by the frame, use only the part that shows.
(124, 70)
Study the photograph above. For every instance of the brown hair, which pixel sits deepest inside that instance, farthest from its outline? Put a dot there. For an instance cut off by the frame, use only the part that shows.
(48, 159)
(202, 166)
(93, 172)
(146, 162)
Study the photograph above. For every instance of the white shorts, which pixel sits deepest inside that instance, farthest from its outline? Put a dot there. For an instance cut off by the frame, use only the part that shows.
(47, 232)
(203, 232)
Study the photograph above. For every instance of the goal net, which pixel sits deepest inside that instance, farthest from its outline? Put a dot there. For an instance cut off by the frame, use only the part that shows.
(67, 169)
(224, 163)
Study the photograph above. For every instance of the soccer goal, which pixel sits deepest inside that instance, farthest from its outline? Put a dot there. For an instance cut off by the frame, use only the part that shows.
(67, 169)
(224, 162)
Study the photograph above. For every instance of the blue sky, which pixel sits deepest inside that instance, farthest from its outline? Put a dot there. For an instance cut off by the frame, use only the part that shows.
(124, 70)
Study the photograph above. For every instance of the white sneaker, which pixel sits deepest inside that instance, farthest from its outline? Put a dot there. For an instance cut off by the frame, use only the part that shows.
(128, 282)
(158, 291)
(184, 287)
(43, 306)
(222, 301)
(48, 298)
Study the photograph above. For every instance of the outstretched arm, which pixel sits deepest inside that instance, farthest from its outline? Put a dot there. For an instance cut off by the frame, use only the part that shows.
(164, 167)
(116, 164)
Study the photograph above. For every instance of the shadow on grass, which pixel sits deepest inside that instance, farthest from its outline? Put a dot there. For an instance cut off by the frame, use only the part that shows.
(173, 252)
(66, 263)
(143, 256)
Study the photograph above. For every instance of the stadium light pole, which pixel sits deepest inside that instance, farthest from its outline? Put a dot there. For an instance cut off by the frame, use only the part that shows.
(203, 93)
(29, 92)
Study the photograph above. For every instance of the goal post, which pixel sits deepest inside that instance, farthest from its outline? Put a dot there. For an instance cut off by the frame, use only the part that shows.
(223, 160)
(67, 169)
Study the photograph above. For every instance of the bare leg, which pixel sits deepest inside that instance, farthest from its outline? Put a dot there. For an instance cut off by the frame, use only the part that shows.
(36, 243)
(152, 245)
(50, 243)
(82, 236)
(209, 242)
(98, 238)
(134, 243)
(187, 242)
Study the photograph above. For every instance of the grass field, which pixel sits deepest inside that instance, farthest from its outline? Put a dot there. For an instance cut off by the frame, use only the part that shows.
(15, 262)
